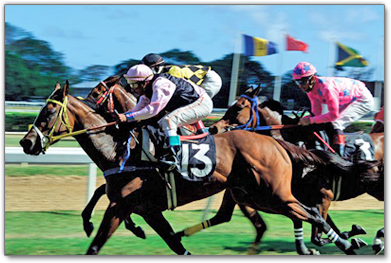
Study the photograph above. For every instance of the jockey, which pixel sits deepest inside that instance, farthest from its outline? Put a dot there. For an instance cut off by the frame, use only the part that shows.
(347, 100)
(379, 119)
(202, 76)
(185, 102)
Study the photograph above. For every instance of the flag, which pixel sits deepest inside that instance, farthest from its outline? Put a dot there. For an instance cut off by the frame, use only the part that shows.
(255, 46)
(348, 57)
(294, 44)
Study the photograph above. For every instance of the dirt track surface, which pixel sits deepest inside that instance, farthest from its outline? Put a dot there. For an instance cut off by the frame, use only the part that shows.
(47, 193)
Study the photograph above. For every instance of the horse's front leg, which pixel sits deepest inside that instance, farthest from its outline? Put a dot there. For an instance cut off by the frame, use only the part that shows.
(157, 221)
(378, 245)
(114, 215)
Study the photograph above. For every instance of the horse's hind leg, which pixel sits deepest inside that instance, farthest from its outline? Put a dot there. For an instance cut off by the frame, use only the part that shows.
(297, 211)
(378, 244)
(87, 212)
(301, 248)
(223, 215)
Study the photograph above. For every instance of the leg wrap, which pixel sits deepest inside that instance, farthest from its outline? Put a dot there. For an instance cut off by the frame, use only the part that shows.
(196, 228)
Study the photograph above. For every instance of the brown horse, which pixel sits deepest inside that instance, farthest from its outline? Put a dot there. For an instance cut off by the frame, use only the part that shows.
(110, 95)
(244, 113)
(256, 168)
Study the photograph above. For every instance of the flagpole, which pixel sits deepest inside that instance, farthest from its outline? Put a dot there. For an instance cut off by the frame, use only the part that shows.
(330, 71)
(277, 81)
(235, 69)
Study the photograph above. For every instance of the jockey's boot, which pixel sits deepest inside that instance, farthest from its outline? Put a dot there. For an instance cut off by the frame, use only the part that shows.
(339, 144)
(170, 161)
(200, 127)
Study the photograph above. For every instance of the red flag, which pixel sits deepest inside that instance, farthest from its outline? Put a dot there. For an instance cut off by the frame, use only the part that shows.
(294, 44)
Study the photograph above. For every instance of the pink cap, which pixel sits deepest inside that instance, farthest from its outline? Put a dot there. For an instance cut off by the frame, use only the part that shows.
(303, 69)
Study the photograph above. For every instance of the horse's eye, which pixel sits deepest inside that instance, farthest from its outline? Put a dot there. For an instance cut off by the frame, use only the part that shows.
(95, 95)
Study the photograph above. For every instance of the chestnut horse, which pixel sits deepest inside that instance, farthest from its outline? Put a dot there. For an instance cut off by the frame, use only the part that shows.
(256, 168)
(110, 95)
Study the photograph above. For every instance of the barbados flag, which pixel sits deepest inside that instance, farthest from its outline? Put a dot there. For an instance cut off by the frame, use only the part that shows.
(255, 46)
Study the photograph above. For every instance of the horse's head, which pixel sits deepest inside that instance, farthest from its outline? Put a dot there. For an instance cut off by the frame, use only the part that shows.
(239, 113)
(52, 120)
(110, 95)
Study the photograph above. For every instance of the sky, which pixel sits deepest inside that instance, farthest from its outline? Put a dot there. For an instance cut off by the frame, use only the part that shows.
(109, 34)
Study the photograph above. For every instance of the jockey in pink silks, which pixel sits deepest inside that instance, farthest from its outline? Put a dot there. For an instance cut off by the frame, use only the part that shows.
(185, 102)
(347, 100)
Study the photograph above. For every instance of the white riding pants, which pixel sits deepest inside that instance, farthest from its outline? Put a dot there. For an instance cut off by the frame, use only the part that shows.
(212, 83)
(188, 114)
(354, 111)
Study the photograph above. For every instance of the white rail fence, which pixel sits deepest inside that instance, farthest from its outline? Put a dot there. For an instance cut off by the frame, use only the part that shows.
(56, 156)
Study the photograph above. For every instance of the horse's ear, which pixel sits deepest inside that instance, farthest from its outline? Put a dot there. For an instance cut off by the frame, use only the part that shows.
(249, 90)
(255, 92)
(58, 86)
(65, 89)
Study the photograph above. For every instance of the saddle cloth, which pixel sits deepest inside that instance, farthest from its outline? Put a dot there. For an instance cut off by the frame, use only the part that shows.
(359, 147)
(197, 157)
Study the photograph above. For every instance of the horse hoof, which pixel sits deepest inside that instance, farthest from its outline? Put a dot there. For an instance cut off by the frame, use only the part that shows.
(92, 251)
(377, 246)
(313, 251)
(139, 232)
(88, 228)
(254, 249)
(358, 243)
(358, 230)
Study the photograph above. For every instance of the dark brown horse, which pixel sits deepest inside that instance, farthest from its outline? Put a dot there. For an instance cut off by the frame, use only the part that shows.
(257, 169)
(244, 114)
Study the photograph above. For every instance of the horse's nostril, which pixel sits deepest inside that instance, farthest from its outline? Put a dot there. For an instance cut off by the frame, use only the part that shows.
(26, 145)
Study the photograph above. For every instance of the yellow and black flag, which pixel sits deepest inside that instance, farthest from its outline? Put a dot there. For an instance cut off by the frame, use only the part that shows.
(348, 57)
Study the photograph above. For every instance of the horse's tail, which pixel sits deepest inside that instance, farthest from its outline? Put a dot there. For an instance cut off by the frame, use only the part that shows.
(367, 171)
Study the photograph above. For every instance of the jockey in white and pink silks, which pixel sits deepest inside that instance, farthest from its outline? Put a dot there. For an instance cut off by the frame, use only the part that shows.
(347, 100)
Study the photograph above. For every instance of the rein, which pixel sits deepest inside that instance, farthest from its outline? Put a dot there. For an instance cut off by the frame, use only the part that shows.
(257, 127)
(254, 118)
(47, 140)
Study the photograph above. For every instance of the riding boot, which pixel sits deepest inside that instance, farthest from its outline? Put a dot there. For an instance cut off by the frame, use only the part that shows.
(170, 161)
(339, 144)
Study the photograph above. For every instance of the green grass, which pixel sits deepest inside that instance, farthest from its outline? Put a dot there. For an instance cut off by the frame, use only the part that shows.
(60, 233)
(50, 170)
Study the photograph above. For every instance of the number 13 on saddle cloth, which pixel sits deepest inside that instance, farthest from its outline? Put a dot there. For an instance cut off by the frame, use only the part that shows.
(197, 156)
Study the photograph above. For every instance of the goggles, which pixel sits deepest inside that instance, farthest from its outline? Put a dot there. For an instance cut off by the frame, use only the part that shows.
(303, 81)
(135, 84)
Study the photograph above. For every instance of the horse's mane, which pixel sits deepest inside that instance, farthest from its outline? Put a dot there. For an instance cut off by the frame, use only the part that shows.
(298, 154)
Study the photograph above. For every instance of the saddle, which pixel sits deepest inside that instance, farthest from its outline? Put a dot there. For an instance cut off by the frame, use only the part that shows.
(197, 156)
(358, 146)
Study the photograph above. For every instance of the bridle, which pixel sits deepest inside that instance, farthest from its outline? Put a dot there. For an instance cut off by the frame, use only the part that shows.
(107, 96)
(253, 122)
(62, 118)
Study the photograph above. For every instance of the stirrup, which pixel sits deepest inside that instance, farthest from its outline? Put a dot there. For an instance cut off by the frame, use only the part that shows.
(169, 165)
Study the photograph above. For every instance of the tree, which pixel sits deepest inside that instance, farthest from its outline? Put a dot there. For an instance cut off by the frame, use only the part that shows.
(32, 67)
(94, 73)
